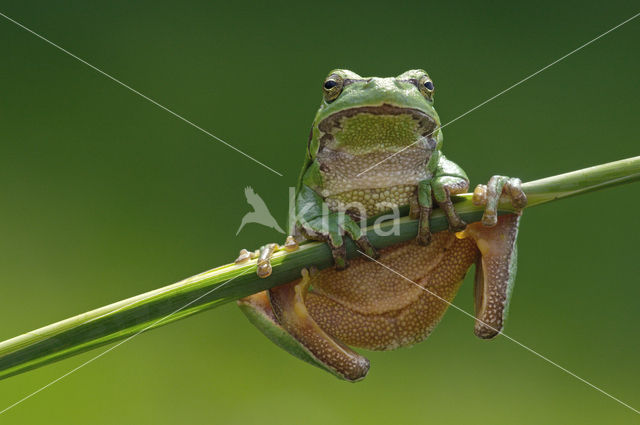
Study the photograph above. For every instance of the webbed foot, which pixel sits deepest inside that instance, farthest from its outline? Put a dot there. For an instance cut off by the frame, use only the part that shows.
(495, 272)
(281, 314)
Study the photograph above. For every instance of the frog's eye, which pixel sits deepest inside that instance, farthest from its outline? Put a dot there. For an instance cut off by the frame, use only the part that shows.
(426, 86)
(332, 87)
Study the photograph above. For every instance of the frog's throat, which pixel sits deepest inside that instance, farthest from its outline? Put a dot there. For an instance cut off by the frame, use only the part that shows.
(427, 124)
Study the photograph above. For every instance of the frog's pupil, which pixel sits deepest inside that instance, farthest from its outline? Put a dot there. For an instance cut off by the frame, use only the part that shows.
(428, 85)
(330, 84)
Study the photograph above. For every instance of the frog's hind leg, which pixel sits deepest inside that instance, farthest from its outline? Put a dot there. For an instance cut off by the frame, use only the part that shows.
(288, 304)
(495, 272)
(300, 336)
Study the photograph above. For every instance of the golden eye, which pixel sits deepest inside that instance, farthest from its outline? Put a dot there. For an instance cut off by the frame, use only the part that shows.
(426, 86)
(332, 87)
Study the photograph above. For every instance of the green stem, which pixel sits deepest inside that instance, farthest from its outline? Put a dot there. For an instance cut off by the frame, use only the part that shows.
(226, 283)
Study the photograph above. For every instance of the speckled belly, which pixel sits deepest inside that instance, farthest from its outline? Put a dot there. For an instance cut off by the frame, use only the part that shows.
(370, 202)
(370, 307)
(376, 180)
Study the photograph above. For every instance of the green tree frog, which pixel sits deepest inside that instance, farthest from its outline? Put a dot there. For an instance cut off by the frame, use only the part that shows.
(376, 144)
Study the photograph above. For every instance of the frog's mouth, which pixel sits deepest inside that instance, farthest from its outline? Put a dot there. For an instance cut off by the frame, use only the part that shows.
(425, 127)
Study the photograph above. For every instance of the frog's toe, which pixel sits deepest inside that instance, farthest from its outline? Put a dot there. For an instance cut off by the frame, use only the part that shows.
(264, 268)
(291, 244)
(366, 247)
(243, 257)
(489, 195)
(424, 239)
(514, 189)
(339, 254)
(457, 225)
(443, 188)
(352, 229)
(336, 245)
(424, 231)
(489, 219)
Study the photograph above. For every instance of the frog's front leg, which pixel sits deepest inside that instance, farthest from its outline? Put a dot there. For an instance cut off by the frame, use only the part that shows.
(448, 179)
(315, 221)
(280, 313)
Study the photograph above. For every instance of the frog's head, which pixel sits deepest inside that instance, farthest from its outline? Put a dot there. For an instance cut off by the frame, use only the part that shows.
(366, 113)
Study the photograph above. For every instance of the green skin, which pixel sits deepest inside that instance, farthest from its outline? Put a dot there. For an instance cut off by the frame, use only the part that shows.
(375, 144)
(410, 97)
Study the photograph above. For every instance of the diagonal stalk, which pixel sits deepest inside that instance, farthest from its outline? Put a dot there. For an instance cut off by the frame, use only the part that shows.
(126, 318)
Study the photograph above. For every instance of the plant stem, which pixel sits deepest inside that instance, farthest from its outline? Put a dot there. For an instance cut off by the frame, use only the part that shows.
(215, 287)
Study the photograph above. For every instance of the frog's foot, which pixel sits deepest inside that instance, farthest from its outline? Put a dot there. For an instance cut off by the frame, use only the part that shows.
(288, 304)
(443, 188)
(280, 313)
(331, 230)
(495, 272)
(264, 255)
(489, 195)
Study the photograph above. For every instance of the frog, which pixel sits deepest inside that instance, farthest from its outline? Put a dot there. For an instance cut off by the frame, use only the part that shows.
(375, 146)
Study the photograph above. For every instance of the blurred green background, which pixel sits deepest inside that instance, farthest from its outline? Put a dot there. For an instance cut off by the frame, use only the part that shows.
(104, 196)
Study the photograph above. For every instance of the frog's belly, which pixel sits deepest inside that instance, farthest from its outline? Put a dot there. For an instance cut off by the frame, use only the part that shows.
(372, 178)
(371, 201)
(371, 307)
